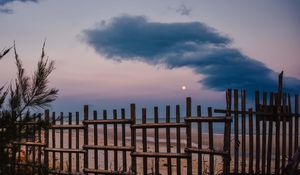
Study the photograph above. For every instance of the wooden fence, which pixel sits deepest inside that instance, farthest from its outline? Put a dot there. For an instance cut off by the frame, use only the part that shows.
(263, 140)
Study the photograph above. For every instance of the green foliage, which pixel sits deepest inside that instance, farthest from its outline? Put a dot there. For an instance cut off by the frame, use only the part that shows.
(18, 102)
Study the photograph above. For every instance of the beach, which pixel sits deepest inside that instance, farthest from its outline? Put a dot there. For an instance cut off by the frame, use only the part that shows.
(217, 138)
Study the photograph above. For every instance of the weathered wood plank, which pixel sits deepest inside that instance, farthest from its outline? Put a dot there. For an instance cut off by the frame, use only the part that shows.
(95, 140)
(107, 121)
(227, 131)
(156, 140)
(264, 136)
(133, 137)
(251, 141)
(108, 147)
(46, 135)
(220, 119)
(290, 138)
(61, 132)
(53, 140)
(211, 143)
(188, 134)
(70, 143)
(257, 133)
(105, 140)
(277, 135)
(77, 141)
(270, 135)
(158, 125)
(144, 141)
(283, 152)
(86, 135)
(236, 132)
(124, 141)
(115, 126)
(168, 139)
(296, 145)
(199, 126)
(207, 151)
(160, 155)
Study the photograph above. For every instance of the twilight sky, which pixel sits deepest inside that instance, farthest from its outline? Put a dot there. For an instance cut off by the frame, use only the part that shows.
(112, 53)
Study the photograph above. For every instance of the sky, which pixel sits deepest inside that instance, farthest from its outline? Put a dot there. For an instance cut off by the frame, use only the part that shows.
(109, 54)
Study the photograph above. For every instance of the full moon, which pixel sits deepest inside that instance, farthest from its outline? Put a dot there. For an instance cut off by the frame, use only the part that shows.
(183, 87)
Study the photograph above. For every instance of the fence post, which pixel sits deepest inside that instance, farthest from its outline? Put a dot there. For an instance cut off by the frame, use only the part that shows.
(105, 140)
(210, 143)
(115, 128)
(61, 132)
(244, 131)
(124, 141)
(178, 139)
(277, 137)
(264, 135)
(257, 134)
(53, 141)
(70, 143)
(236, 131)
(296, 122)
(227, 131)
(188, 134)
(86, 135)
(46, 157)
(156, 140)
(133, 136)
(270, 134)
(77, 142)
(144, 141)
(251, 172)
(168, 139)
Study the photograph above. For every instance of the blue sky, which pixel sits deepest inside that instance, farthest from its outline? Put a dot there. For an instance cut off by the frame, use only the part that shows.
(112, 53)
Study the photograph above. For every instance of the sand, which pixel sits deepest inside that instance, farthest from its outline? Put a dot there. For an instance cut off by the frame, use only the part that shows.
(218, 145)
(218, 141)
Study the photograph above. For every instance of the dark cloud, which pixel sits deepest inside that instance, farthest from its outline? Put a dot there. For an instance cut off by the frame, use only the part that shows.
(175, 45)
(184, 10)
(3, 2)
(10, 11)
(6, 10)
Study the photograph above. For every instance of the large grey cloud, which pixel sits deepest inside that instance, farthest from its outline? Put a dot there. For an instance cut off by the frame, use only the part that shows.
(3, 2)
(175, 45)
(9, 11)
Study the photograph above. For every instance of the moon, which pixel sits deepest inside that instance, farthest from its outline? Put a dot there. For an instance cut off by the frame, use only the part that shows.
(183, 88)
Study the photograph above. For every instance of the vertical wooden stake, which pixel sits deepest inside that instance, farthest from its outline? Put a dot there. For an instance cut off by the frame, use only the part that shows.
(105, 140)
(211, 143)
(296, 122)
(243, 132)
(46, 158)
(236, 132)
(270, 132)
(264, 135)
(124, 141)
(168, 141)
(70, 143)
(86, 136)
(156, 140)
(95, 140)
(61, 162)
(227, 131)
(178, 139)
(188, 134)
(115, 115)
(133, 136)
(257, 134)
(77, 142)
